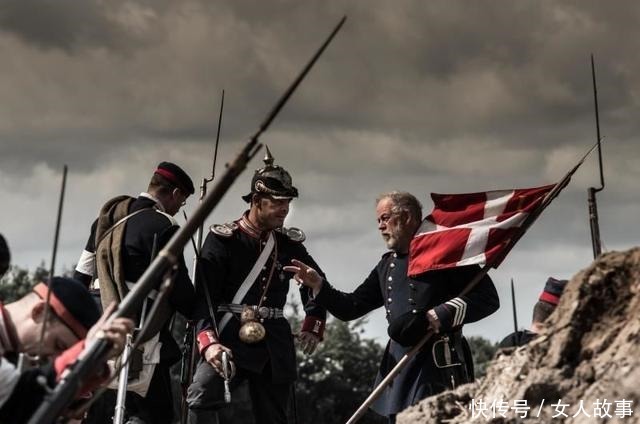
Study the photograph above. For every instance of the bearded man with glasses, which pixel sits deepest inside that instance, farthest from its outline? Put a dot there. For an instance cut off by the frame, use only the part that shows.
(412, 306)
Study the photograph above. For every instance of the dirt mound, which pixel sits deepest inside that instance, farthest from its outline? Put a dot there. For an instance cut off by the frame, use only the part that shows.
(587, 359)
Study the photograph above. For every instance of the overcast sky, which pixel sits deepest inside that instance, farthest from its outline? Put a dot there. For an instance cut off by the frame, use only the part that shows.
(438, 96)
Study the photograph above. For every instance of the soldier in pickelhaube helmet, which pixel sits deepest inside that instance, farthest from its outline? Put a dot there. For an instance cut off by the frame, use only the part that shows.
(272, 180)
(241, 266)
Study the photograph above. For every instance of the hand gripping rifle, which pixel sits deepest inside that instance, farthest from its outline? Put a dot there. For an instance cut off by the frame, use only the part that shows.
(95, 352)
(189, 349)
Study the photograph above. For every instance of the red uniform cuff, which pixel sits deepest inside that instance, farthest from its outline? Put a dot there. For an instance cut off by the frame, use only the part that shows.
(67, 358)
(314, 325)
(206, 338)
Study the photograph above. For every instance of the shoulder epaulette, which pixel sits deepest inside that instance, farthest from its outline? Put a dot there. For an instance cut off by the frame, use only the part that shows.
(224, 230)
(294, 234)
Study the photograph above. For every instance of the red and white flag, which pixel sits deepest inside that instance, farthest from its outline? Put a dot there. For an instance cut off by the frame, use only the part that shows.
(472, 228)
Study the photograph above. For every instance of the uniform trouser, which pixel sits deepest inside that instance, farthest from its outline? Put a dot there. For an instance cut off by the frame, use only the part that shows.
(269, 400)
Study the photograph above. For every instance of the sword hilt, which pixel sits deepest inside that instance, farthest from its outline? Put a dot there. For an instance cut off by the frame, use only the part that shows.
(226, 371)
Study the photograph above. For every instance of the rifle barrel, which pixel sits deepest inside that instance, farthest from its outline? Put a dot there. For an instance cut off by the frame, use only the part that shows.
(52, 268)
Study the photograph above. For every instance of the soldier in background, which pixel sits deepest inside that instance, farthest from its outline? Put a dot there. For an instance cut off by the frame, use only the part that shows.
(413, 306)
(118, 255)
(242, 282)
(549, 299)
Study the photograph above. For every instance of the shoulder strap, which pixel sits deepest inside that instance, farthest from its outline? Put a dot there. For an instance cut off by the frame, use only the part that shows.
(171, 219)
(117, 224)
(249, 280)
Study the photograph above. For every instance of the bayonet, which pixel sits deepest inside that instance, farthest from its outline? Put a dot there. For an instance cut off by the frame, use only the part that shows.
(52, 267)
(596, 243)
(189, 342)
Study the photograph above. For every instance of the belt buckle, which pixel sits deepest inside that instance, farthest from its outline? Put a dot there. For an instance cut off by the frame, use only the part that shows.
(263, 312)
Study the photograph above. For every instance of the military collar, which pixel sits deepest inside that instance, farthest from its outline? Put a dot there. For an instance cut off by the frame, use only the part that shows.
(8, 336)
(159, 205)
(250, 229)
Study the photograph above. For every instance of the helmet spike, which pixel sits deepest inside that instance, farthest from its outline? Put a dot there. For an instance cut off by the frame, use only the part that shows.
(268, 157)
(272, 179)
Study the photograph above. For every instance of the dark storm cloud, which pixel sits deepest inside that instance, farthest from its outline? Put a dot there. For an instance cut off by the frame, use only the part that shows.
(69, 25)
(444, 96)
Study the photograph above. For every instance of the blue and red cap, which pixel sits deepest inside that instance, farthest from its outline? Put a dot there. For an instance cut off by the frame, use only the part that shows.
(176, 176)
(553, 289)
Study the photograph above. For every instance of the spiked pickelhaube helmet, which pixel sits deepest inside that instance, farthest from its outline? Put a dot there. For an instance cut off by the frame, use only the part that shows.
(272, 180)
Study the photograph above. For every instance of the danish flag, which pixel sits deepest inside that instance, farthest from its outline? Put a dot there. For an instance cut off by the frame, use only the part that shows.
(472, 228)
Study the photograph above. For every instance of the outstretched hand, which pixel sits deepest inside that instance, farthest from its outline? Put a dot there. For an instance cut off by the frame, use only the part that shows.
(305, 275)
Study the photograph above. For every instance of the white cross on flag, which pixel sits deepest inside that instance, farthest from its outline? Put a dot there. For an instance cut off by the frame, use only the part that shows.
(471, 228)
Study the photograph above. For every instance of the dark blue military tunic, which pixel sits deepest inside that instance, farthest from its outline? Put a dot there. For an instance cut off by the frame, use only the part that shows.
(225, 262)
(389, 286)
(138, 247)
(157, 406)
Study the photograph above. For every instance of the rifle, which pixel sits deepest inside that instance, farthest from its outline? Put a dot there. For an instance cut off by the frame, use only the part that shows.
(189, 342)
(95, 352)
(596, 243)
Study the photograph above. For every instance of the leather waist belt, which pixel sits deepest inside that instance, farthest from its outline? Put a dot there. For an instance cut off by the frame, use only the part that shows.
(263, 311)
